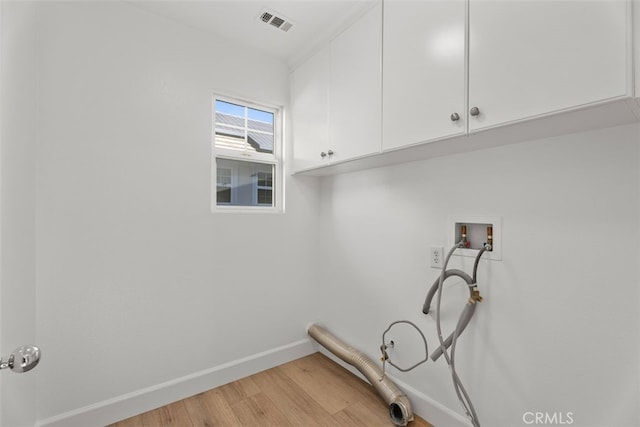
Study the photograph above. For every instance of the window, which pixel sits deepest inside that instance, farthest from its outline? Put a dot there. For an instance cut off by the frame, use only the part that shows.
(264, 189)
(246, 151)
(223, 183)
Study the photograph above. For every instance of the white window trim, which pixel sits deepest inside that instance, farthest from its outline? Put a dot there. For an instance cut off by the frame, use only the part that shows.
(275, 159)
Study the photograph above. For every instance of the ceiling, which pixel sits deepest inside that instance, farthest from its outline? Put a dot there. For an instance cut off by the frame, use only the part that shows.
(314, 22)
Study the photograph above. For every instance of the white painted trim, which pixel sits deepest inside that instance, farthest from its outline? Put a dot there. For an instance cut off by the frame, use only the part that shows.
(424, 406)
(276, 159)
(431, 410)
(130, 404)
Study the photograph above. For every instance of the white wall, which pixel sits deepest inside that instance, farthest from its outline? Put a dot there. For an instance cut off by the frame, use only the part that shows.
(558, 330)
(138, 282)
(18, 201)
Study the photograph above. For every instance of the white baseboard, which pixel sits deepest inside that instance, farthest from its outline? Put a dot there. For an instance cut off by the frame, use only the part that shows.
(422, 405)
(128, 405)
(431, 410)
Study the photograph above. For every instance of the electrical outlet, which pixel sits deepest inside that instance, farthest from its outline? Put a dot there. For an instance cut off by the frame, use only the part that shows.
(437, 256)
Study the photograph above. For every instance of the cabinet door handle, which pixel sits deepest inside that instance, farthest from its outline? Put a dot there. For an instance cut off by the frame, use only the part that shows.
(323, 154)
(455, 117)
(475, 111)
(330, 152)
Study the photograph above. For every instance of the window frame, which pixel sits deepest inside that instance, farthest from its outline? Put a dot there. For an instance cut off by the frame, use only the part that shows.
(275, 159)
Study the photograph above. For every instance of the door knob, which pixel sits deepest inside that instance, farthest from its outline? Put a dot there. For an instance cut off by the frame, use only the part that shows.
(23, 359)
(455, 117)
(323, 154)
(475, 111)
(330, 152)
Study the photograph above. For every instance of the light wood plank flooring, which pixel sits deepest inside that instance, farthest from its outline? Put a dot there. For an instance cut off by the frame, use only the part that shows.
(311, 391)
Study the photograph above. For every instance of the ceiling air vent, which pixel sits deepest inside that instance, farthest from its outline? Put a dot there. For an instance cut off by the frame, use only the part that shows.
(275, 20)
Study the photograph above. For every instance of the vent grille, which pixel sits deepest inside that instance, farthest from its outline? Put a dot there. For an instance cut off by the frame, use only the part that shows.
(266, 17)
(275, 20)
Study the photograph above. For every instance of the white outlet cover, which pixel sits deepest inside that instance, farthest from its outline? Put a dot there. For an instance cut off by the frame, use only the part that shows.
(495, 220)
(436, 262)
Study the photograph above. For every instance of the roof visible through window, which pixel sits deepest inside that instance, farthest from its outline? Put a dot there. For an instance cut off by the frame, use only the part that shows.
(243, 128)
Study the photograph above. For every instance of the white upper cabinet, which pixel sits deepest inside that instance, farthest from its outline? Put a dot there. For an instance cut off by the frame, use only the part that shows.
(454, 68)
(336, 97)
(355, 101)
(424, 81)
(310, 110)
(533, 58)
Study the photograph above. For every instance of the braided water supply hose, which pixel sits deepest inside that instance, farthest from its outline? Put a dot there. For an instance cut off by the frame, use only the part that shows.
(464, 319)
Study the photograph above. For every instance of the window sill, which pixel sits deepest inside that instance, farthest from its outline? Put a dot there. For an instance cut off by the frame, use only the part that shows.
(247, 209)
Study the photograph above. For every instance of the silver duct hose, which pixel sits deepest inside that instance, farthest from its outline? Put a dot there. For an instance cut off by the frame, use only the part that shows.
(400, 410)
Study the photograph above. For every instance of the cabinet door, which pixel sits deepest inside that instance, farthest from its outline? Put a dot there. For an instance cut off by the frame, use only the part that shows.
(424, 80)
(531, 58)
(355, 94)
(310, 111)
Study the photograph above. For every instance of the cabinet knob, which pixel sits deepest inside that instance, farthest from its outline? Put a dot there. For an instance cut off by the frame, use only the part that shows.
(330, 152)
(323, 154)
(475, 111)
(455, 117)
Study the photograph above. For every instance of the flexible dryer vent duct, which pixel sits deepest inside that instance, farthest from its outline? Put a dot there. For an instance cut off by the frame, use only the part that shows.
(399, 405)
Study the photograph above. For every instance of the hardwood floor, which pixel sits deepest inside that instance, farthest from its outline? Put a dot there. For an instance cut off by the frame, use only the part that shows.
(311, 391)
